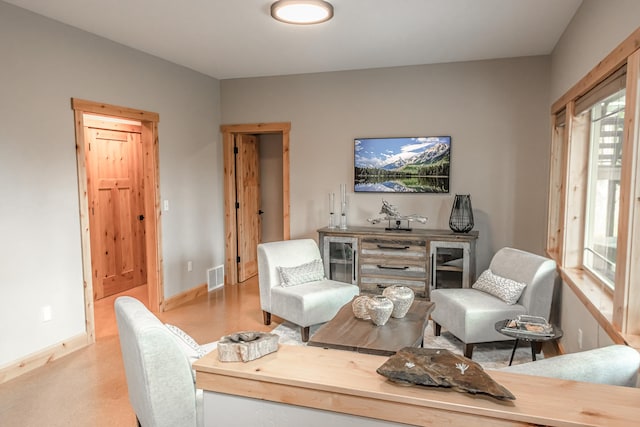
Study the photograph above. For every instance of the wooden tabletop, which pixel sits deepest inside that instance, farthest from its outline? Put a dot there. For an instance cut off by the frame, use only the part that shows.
(346, 332)
(347, 382)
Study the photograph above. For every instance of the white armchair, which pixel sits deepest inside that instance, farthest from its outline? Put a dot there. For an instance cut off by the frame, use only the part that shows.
(471, 314)
(304, 304)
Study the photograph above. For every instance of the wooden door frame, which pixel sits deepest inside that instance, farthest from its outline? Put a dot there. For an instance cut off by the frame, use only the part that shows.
(150, 160)
(228, 133)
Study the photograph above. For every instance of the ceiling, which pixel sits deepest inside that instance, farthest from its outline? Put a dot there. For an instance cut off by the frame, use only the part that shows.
(238, 38)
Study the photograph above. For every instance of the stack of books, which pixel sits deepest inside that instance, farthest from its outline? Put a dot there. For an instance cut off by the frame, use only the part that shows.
(532, 325)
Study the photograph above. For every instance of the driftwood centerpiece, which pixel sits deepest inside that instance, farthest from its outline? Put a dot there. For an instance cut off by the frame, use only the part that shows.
(441, 368)
(246, 346)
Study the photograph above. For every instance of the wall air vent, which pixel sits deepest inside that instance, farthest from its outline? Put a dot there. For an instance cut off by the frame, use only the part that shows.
(215, 278)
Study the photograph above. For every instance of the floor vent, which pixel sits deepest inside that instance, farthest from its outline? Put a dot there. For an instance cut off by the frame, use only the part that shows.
(215, 277)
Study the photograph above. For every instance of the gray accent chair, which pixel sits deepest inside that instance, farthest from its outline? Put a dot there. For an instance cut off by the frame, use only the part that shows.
(470, 314)
(306, 304)
(160, 380)
(613, 365)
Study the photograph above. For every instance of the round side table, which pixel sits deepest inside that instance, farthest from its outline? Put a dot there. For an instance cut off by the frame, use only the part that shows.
(535, 340)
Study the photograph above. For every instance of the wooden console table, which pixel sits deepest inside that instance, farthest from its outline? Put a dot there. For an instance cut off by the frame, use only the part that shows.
(374, 258)
(324, 384)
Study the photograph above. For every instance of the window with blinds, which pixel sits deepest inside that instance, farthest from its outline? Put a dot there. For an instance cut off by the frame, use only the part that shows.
(605, 104)
(594, 190)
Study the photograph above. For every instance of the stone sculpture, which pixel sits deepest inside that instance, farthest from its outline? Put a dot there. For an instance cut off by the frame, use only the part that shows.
(441, 368)
(246, 346)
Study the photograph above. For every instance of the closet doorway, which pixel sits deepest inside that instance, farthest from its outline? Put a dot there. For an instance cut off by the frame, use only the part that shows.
(241, 240)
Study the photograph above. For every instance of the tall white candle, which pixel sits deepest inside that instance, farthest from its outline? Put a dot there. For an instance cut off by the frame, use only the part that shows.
(343, 197)
(332, 204)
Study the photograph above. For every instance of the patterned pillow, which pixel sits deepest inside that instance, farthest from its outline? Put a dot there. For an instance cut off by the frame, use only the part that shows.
(309, 272)
(188, 345)
(507, 290)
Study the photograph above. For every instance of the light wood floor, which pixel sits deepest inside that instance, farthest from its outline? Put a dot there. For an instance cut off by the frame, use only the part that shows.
(88, 387)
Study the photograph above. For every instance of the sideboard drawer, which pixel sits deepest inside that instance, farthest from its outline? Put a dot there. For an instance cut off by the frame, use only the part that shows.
(381, 248)
(391, 261)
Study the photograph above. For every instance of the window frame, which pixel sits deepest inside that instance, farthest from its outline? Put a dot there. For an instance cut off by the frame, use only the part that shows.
(591, 187)
(617, 312)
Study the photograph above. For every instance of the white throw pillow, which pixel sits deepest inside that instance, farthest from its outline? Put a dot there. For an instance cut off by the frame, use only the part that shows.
(308, 272)
(188, 345)
(507, 290)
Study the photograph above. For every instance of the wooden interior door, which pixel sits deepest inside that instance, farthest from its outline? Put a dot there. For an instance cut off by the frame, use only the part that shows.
(247, 205)
(116, 208)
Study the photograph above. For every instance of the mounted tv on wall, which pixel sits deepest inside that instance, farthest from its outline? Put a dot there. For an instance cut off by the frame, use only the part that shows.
(402, 165)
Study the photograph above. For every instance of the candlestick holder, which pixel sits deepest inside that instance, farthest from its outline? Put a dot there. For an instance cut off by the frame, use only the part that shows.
(332, 219)
(343, 207)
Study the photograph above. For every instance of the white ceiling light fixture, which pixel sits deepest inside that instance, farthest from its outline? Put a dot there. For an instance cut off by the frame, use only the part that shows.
(302, 12)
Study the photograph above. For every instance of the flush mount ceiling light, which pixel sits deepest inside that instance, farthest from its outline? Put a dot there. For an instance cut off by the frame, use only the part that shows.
(302, 11)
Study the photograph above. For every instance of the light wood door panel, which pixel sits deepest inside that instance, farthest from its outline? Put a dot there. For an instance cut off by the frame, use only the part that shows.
(116, 210)
(248, 205)
(229, 136)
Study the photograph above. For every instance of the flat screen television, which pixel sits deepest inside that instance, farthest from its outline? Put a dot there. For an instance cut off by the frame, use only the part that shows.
(402, 165)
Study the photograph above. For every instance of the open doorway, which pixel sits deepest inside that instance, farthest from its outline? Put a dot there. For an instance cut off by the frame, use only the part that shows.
(117, 157)
(269, 134)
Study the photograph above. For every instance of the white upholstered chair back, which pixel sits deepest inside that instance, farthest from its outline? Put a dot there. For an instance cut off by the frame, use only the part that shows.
(159, 377)
(286, 253)
(538, 272)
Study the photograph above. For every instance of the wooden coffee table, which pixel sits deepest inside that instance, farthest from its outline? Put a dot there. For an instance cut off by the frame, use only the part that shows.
(346, 332)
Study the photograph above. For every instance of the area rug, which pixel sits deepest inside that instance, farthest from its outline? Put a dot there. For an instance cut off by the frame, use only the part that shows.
(290, 333)
(492, 355)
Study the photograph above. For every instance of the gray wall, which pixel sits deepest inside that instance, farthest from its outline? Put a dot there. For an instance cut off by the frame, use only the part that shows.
(596, 29)
(495, 111)
(44, 65)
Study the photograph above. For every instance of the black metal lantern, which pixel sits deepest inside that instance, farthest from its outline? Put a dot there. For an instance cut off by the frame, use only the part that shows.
(461, 219)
